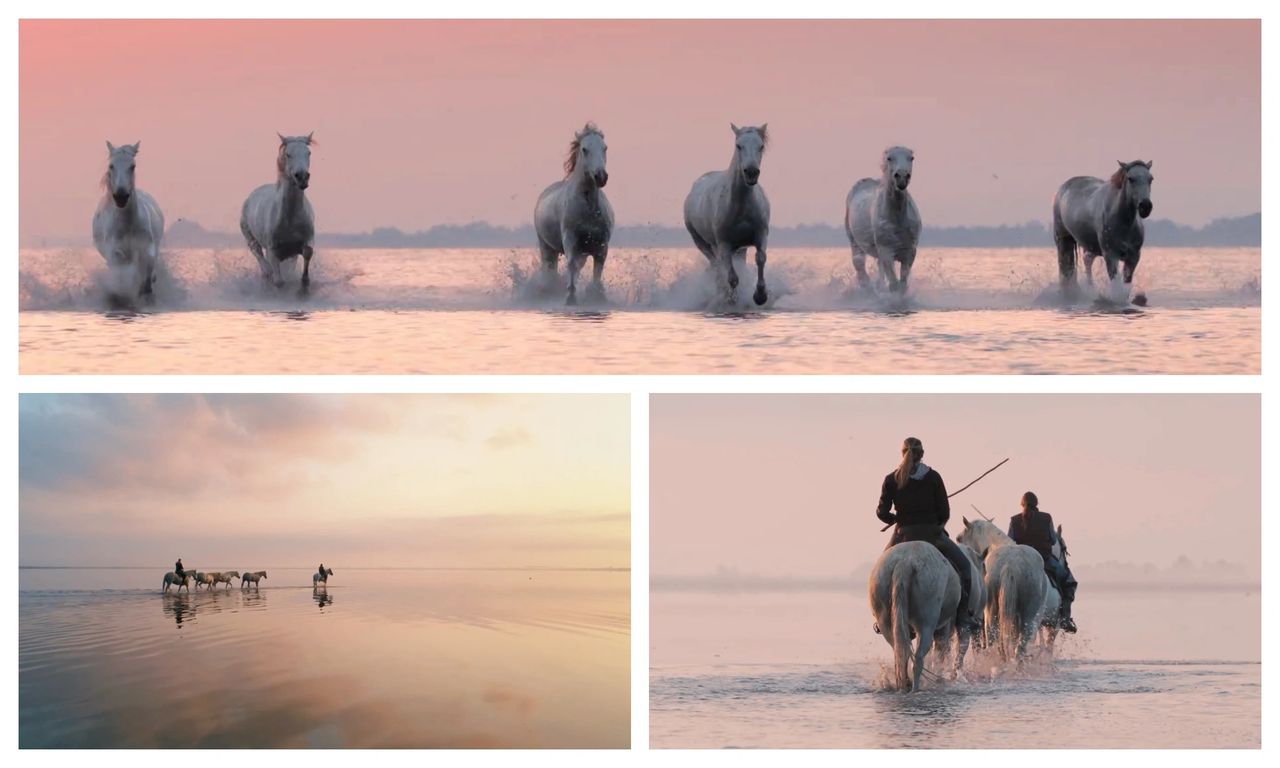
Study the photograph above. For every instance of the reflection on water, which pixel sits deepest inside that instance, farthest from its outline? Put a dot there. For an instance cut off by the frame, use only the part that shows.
(805, 670)
(412, 659)
(403, 311)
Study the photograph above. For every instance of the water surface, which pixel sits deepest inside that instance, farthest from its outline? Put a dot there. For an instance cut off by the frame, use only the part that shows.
(476, 312)
(378, 659)
(1149, 669)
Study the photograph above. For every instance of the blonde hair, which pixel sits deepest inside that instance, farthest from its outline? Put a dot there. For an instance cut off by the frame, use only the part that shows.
(912, 451)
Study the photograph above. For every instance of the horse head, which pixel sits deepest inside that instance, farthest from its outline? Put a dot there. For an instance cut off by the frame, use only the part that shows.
(120, 172)
(896, 165)
(749, 150)
(294, 160)
(1134, 180)
(589, 150)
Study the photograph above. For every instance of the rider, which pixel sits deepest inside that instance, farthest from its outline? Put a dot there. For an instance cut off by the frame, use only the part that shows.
(177, 569)
(917, 494)
(1035, 529)
(322, 573)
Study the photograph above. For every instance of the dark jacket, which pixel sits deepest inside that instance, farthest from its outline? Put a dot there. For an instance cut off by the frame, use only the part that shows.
(1035, 529)
(177, 568)
(919, 502)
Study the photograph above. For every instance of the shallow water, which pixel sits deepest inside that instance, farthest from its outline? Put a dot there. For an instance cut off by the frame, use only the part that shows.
(477, 311)
(1147, 670)
(382, 658)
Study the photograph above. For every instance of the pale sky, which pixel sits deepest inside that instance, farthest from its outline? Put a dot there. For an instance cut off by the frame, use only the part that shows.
(292, 480)
(787, 485)
(428, 122)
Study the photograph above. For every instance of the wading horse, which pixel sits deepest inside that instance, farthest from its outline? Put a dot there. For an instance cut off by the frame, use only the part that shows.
(882, 221)
(977, 602)
(1016, 587)
(252, 578)
(321, 577)
(276, 220)
(127, 226)
(225, 577)
(1050, 623)
(172, 578)
(574, 217)
(727, 212)
(1102, 218)
(913, 591)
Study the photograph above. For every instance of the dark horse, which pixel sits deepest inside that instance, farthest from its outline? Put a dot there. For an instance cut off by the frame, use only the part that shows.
(1104, 218)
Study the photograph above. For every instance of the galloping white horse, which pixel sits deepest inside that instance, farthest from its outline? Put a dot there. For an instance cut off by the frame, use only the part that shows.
(1016, 586)
(913, 589)
(276, 220)
(1104, 218)
(321, 577)
(172, 578)
(127, 226)
(727, 211)
(882, 221)
(574, 217)
(252, 578)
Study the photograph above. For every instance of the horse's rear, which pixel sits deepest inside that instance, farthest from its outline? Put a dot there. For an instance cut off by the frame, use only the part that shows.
(1015, 585)
(913, 589)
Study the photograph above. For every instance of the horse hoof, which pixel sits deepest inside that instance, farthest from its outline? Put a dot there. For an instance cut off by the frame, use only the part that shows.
(572, 301)
(760, 296)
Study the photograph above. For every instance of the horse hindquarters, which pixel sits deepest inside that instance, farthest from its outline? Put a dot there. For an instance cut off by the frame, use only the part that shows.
(901, 636)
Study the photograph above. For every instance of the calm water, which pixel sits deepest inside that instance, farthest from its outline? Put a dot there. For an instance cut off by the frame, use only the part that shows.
(379, 659)
(474, 311)
(1148, 669)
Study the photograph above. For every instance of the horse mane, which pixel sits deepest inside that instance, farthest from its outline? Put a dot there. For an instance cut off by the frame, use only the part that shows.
(571, 159)
(1117, 178)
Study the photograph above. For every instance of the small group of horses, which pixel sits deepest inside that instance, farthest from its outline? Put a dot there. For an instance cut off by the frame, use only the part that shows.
(914, 593)
(726, 212)
(212, 579)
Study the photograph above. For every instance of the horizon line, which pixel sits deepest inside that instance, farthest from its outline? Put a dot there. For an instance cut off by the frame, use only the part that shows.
(348, 567)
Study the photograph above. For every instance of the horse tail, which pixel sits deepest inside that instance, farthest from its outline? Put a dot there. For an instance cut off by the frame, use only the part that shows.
(1009, 623)
(901, 626)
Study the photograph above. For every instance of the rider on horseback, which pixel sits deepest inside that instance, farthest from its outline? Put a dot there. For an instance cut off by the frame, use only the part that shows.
(1035, 529)
(177, 569)
(916, 493)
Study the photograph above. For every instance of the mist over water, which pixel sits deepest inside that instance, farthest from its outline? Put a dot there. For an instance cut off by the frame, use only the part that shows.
(1149, 669)
(488, 311)
(381, 658)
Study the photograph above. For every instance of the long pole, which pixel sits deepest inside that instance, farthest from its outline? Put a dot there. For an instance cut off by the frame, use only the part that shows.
(962, 490)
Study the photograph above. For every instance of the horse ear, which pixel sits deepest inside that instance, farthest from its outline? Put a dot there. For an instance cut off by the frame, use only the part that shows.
(1122, 165)
(282, 138)
(111, 147)
(764, 127)
(1059, 529)
(1150, 164)
(736, 129)
(966, 521)
(136, 146)
(309, 135)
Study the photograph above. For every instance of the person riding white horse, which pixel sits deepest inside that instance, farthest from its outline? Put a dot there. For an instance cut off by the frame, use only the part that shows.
(913, 499)
(1035, 529)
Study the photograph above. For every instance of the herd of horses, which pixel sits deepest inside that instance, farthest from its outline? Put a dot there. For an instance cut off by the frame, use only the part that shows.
(726, 213)
(914, 593)
(212, 579)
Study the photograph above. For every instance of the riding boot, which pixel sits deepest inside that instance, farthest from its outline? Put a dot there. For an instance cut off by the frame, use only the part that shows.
(1065, 622)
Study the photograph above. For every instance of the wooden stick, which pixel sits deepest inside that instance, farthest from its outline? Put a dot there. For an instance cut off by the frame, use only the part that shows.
(962, 490)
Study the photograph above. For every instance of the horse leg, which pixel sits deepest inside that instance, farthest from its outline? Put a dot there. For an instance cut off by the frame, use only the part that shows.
(1088, 268)
(307, 253)
(574, 261)
(922, 652)
(273, 265)
(1066, 245)
(884, 256)
(762, 292)
(860, 267)
(597, 273)
(725, 259)
(904, 268)
(256, 249)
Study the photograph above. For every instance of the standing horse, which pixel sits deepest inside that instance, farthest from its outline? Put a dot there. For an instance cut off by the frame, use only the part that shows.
(882, 221)
(252, 578)
(913, 589)
(276, 220)
(574, 217)
(1104, 219)
(127, 226)
(1015, 583)
(172, 578)
(225, 577)
(321, 577)
(727, 211)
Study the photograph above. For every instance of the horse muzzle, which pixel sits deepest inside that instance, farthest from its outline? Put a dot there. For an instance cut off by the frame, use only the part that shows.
(752, 175)
(602, 178)
(901, 182)
(1144, 208)
(303, 180)
(121, 198)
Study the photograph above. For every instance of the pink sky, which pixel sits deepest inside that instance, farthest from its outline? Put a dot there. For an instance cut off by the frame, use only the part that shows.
(426, 122)
(786, 485)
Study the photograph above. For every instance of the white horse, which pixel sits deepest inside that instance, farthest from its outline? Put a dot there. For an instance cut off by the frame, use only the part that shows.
(977, 602)
(574, 217)
(225, 577)
(276, 220)
(252, 578)
(727, 212)
(1016, 585)
(1104, 218)
(321, 577)
(913, 590)
(205, 579)
(172, 578)
(127, 226)
(882, 221)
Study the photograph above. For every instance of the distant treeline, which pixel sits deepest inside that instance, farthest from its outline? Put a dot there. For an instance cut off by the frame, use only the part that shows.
(1241, 231)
